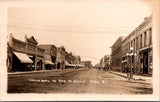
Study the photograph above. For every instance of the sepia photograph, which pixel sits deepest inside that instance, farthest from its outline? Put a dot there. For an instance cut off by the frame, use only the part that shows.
(79, 50)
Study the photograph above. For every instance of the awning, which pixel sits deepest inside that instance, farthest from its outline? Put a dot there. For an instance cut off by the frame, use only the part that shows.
(124, 56)
(73, 65)
(67, 64)
(23, 57)
(144, 49)
(48, 62)
(39, 59)
(29, 56)
(124, 61)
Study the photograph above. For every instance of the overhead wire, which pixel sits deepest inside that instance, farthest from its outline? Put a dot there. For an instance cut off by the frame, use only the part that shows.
(72, 29)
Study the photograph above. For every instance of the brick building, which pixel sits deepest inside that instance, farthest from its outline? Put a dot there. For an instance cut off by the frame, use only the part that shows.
(140, 39)
(69, 60)
(87, 64)
(77, 60)
(61, 57)
(24, 55)
(105, 62)
(116, 54)
(50, 55)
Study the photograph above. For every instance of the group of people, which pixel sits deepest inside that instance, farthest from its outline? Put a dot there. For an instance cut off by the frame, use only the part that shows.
(129, 71)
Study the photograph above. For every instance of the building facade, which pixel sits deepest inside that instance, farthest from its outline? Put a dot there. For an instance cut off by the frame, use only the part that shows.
(140, 40)
(24, 55)
(66, 59)
(50, 55)
(69, 60)
(116, 54)
(28, 55)
(61, 52)
(77, 60)
(105, 62)
(87, 64)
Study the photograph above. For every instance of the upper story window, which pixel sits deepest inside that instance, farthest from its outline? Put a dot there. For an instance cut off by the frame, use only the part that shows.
(145, 38)
(131, 44)
(141, 41)
(150, 35)
(136, 43)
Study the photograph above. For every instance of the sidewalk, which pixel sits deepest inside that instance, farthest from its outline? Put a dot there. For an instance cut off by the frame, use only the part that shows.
(38, 71)
(136, 77)
(35, 71)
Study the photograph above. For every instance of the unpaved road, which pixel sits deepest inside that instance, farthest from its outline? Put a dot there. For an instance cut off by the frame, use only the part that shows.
(76, 81)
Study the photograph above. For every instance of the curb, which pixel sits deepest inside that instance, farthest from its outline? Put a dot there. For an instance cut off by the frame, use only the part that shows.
(139, 78)
(41, 71)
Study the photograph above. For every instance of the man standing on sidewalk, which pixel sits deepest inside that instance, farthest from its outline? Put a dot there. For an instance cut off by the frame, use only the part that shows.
(128, 71)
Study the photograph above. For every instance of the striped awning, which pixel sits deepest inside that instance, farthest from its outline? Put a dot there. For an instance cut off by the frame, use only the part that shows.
(23, 57)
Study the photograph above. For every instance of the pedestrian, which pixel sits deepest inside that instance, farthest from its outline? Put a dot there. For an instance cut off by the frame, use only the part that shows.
(128, 71)
(141, 68)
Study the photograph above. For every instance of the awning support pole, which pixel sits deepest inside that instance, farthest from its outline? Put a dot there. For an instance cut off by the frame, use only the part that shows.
(35, 64)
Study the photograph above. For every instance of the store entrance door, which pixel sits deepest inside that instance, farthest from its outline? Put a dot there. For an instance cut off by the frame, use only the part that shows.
(145, 62)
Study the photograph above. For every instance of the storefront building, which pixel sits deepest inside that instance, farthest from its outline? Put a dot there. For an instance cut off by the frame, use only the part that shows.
(60, 57)
(50, 55)
(22, 56)
(140, 40)
(116, 54)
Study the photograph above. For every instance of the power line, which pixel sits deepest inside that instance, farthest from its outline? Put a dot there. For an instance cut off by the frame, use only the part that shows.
(72, 26)
(91, 57)
(71, 30)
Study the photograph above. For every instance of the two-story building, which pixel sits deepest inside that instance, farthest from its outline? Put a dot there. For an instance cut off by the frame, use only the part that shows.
(24, 55)
(61, 57)
(116, 54)
(50, 55)
(140, 39)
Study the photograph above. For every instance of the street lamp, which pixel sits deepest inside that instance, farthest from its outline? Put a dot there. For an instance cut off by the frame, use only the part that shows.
(131, 54)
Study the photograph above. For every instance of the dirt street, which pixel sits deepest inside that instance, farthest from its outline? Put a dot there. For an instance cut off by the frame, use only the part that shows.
(76, 81)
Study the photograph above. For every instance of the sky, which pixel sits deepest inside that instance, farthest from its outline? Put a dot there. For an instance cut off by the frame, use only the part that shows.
(84, 27)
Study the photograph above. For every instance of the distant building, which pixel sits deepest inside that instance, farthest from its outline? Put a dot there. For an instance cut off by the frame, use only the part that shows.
(77, 60)
(116, 54)
(66, 59)
(71, 58)
(50, 55)
(61, 53)
(105, 62)
(87, 64)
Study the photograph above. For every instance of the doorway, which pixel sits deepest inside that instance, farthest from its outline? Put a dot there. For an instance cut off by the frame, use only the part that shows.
(145, 62)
